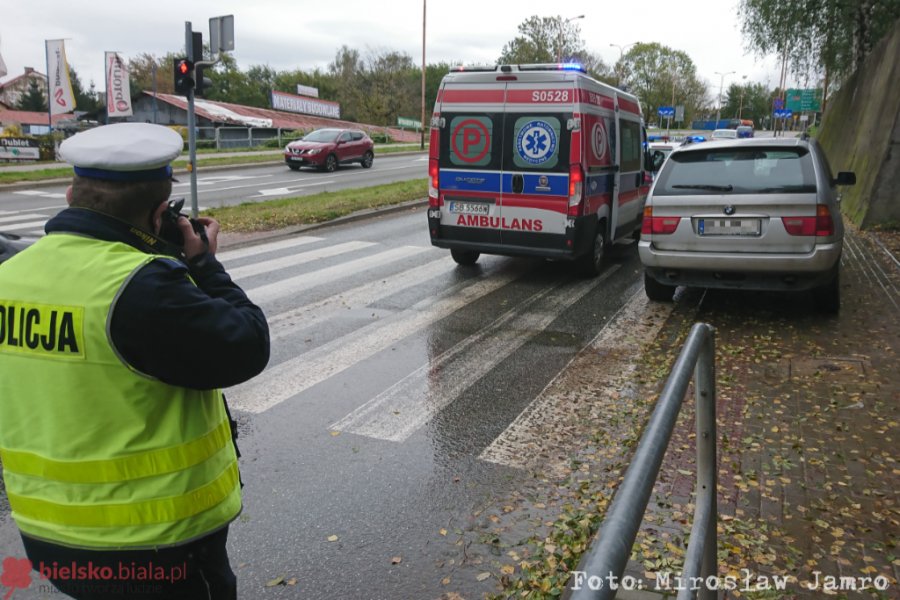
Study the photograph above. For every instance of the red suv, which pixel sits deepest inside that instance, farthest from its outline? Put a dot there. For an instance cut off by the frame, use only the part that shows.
(328, 148)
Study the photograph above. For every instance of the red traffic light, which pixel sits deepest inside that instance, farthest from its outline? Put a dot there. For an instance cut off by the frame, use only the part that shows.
(184, 76)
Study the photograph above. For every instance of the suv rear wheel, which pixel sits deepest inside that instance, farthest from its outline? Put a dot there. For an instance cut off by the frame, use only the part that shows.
(656, 291)
(330, 163)
(367, 159)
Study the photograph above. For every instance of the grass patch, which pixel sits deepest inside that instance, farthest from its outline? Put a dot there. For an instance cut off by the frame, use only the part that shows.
(317, 208)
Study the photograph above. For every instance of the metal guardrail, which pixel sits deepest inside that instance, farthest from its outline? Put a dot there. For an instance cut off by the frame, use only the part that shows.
(604, 563)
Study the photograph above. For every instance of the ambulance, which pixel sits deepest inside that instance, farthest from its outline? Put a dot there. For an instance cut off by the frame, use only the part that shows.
(534, 160)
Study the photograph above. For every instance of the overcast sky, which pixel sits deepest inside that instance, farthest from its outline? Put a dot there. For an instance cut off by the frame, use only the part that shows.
(304, 34)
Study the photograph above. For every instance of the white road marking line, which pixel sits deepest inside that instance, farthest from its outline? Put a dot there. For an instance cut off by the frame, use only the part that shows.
(617, 348)
(300, 373)
(29, 225)
(289, 322)
(288, 190)
(300, 283)
(398, 412)
(275, 264)
(266, 247)
(23, 216)
(30, 192)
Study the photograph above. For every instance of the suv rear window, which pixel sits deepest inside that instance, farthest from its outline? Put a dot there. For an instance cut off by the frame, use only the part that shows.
(745, 170)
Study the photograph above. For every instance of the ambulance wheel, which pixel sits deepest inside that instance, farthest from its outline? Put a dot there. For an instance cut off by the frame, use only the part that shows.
(591, 263)
(464, 257)
(656, 291)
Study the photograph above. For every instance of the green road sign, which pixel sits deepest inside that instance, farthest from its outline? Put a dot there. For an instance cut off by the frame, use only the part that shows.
(411, 123)
(804, 100)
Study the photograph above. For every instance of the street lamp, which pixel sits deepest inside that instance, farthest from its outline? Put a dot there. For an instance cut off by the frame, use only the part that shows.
(621, 54)
(721, 84)
(743, 89)
(561, 27)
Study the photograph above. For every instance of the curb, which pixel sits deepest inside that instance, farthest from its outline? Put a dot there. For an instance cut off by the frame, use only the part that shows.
(233, 240)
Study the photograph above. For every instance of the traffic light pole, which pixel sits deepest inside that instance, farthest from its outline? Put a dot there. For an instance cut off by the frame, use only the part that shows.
(192, 124)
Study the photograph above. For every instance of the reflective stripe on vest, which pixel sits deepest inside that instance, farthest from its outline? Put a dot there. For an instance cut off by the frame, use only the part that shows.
(134, 466)
(94, 453)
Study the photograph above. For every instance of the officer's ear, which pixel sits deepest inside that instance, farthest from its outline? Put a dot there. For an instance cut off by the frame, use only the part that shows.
(156, 217)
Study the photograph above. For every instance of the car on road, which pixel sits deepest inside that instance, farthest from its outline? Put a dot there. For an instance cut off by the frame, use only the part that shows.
(724, 134)
(11, 243)
(659, 152)
(758, 213)
(744, 131)
(326, 149)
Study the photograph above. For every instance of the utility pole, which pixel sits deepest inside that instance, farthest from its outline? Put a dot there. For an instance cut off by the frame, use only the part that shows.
(561, 28)
(621, 55)
(422, 124)
(721, 85)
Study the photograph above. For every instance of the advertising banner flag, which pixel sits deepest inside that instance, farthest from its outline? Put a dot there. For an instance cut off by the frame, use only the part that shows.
(62, 100)
(2, 67)
(118, 88)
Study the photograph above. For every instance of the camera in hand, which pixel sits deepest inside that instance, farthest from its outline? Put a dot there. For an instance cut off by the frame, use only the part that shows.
(169, 230)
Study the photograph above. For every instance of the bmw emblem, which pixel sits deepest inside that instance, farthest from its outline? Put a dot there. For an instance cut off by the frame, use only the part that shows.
(728, 210)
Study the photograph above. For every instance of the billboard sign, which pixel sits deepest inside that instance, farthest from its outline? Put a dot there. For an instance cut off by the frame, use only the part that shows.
(305, 105)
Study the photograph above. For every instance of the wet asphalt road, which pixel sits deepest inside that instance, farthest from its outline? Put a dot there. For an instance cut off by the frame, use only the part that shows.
(392, 370)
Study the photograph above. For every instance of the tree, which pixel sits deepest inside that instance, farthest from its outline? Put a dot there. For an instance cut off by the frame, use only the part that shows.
(819, 38)
(87, 101)
(749, 101)
(549, 40)
(661, 76)
(146, 72)
(34, 99)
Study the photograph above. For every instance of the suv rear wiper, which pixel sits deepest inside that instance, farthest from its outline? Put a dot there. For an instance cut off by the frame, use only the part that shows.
(705, 186)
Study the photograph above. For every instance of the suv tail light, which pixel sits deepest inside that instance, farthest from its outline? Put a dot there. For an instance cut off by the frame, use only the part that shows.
(658, 225)
(822, 225)
(576, 188)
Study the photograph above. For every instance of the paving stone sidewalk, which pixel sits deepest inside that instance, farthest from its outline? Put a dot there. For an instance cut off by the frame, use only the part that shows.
(808, 428)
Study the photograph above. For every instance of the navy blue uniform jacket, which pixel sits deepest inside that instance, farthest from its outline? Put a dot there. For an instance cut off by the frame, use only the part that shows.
(203, 336)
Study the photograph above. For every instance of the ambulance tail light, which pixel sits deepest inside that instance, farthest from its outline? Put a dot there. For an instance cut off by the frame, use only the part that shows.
(434, 192)
(658, 225)
(576, 191)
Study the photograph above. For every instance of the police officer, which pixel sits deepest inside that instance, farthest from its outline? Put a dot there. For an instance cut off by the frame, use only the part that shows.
(115, 441)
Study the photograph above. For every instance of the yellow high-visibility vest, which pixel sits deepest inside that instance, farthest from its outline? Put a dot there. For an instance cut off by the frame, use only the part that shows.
(94, 453)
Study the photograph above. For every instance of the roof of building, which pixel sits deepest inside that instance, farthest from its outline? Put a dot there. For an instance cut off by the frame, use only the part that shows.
(25, 75)
(26, 117)
(227, 113)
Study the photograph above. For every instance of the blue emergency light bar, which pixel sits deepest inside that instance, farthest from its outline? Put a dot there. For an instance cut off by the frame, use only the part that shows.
(570, 66)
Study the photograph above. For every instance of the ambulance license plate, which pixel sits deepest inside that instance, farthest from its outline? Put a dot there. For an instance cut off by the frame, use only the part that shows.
(743, 227)
(469, 208)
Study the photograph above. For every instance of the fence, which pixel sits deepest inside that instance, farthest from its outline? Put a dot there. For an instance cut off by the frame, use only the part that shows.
(605, 561)
(222, 138)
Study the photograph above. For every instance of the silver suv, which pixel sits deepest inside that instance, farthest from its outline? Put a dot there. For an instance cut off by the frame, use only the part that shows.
(748, 214)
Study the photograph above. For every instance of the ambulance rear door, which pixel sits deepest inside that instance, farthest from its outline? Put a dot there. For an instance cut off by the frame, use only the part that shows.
(470, 160)
(538, 128)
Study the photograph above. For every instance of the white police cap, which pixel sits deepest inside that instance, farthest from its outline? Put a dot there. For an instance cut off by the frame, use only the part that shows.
(123, 152)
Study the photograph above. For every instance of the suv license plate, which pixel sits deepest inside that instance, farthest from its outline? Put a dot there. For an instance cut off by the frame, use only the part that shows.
(748, 227)
(469, 208)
